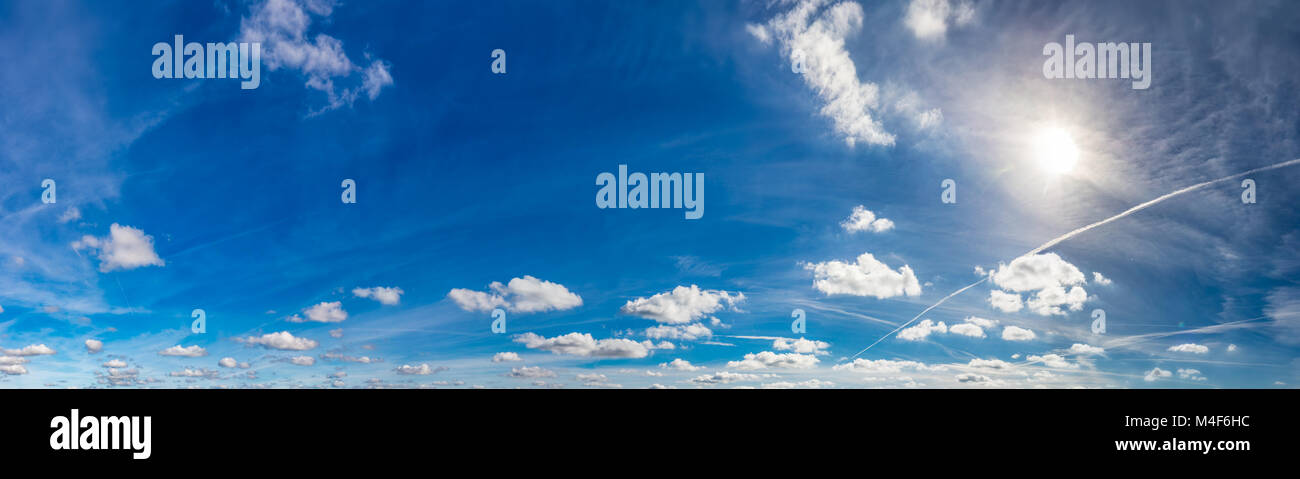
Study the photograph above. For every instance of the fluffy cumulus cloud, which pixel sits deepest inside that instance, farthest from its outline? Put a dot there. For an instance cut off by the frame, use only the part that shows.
(815, 34)
(282, 27)
(520, 295)
(505, 357)
(115, 363)
(386, 296)
(29, 350)
(1155, 374)
(863, 219)
(930, 19)
(768, 359)
(922, 330)
(680, 365)
(724, 377)
(865, 277)
(884, 366)
(229, 362)
(685, 332)
(682, 304)
(531, 372)
(582, 344)
(188, 351)
(303, 360)
(124, 248)
(967, 329)
(1190, 348)
(1016, 333)
(422, 369)
(1052, 361)
(94, 346)
(1054, 284)
(801, 346)
(281, 340)
(323, 312)
(1086, 350)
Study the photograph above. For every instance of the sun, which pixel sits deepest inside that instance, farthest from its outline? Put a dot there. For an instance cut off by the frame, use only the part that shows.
(1055, 151)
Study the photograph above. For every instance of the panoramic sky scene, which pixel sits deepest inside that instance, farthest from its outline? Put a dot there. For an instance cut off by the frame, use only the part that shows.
(626, 194)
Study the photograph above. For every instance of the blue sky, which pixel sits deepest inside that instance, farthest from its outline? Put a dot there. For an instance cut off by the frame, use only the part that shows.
(475, 191)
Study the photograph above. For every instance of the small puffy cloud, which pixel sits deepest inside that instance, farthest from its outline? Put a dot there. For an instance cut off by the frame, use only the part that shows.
(981, 322)
(680, 365)
(809, 384)
(94, 346)
(883, 366)
(583, 344)
(967, 329)
(768, 359)
(324, 312)
(115, 363)
(531, 372)
(124, 248)
(1190, 348)
(194, 373)
(303, 360)
(11, 360)
(973, 378)
(1052, 361)
(989, 364)
(1232, 348)
(1016, 333)
(724, 377)
(229, 362)
(1190, 375)
(1100, 280)
(1036, 272)
(71, 214)
(930, 19)
(336, 333)
(375, 78)
(801, 345)
(520, 295)
(422, 369)
(865, 277)
(922, 330)
(1086, 350)
(1155, 374)
(1048, 302)
(505, 357)
(863, 219)
(386, 296)
(682, 304)
(13, 369)
(281, 340)
(188, 352)
(686, 332)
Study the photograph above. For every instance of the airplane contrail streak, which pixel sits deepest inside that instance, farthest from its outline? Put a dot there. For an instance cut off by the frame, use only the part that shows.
(1078, 231)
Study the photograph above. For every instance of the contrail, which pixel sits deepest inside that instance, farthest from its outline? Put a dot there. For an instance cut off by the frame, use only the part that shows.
(1076, 232)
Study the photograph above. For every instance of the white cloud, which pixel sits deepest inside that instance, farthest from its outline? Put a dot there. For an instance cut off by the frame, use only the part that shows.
(1086, 350)
(1100, 280)
(819, 35)
(680, 365)
(973, 378)
(124, 248)
(71, 214)
(866, 277)
(582, 344)
(1232, 348)
(1190, 374)
(336, 333)
(115, 363)
(281, 340)
(724, 377)
(94, 346)
(801, 345)
(1052, 361)
(194, 373)
(883, 366)
(930, 19)
(281, 26)
(682, 304)
(324, 312)
(1005, 302)
(13, 369)
(520, 295)
(687, 332)
(11, 360)
(922, 330)
(530, 372)
(809, 384)
(989, 364)
(422, 369)
(967, 329)
(1048, 302)
(188, 352)
(1190, 348)
(227, 362)
(768, 359)
(303, 360)
(505, 357)
(863, 219)
(386, 296)
(1016, 333)
(1155, 374)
